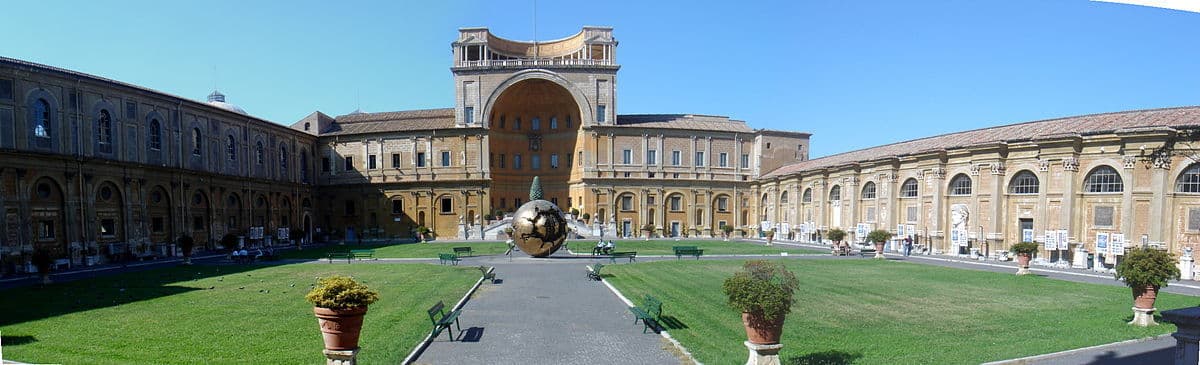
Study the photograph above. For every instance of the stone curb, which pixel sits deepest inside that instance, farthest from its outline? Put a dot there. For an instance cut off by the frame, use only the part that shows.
(663, 331)
(1031, 359)
(416, 352)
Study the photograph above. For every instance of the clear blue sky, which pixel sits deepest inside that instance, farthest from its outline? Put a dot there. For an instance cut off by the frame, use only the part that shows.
(854, 73)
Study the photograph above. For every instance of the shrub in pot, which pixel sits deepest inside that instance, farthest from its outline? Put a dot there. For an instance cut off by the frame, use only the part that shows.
(878, 237)
(587, 218)
(340, 303)
(186, 244)
(1145, 270)
(1024, 252)
(836, 236)
(727, 230)
(763, 292)
(649, 229)
(42, 261)
(230, 241)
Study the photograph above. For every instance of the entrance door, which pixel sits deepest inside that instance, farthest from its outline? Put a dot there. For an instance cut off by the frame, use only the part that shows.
(1026, 229)
(626, 227)
(674, 229)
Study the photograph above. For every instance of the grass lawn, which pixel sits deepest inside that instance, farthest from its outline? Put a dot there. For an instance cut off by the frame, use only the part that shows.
(218, 315)
(710, 247)
(887, 312)
(403, 250)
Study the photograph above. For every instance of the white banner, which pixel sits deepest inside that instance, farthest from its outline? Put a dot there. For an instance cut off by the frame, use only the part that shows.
(1026, 235)
(860, 232)
(785, 229)
(1064, 240)
(1051, 240)
(1117, 241)
(1102, 243)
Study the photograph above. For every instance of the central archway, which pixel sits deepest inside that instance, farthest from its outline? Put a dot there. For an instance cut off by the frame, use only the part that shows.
(533, 130)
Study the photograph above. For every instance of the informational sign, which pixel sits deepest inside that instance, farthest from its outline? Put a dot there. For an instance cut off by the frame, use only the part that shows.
(1051, 240)
(765, 225)
(860, 231)
(1064, 240)
(1102, 242)
(900, 230)
(911, 229)
(282, 233)
(256, 233)
(1117, 243)
(785, 229)
(1027, 235)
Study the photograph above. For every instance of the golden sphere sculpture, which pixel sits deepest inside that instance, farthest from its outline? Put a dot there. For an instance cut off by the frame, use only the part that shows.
(539, 228)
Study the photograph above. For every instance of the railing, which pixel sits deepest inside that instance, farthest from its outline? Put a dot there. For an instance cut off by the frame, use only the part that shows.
(526, 62)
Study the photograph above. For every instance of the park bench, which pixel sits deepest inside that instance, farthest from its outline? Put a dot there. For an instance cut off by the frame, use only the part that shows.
(863, 252)
(442, 319)
(339, 255)
(443, 258)
(362, 253)
(463, 251)
(632, 255)
(681, 251)
(651, 310)
(488, 274)
(594, 271)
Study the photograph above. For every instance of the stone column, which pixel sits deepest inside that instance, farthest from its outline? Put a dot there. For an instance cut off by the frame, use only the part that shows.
(341, 357)
(1187, 334)
(763, 354)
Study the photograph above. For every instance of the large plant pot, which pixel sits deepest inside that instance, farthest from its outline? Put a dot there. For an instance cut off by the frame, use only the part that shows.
(340, 327)
(760, 331)
(879, 250)
(1144, 297)
(1023, 263)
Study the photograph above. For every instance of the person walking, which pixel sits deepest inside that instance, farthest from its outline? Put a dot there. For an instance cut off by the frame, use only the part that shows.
(908, 244)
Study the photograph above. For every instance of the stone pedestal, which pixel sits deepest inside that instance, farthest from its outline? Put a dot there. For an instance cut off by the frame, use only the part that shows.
(341, 357)
(1023, 270)
(1079, 259)
(763, 354)
(1187, 334)
(1143, 317)
(1186, 267)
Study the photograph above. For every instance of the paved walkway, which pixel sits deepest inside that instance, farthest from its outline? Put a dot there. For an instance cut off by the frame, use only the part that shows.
(546, 311)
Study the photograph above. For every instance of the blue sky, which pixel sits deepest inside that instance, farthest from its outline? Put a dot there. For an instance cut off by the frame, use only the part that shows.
(854, 73)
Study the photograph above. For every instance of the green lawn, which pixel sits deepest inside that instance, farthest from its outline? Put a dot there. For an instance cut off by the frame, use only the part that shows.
(710, 247)
(886, 312)
(403, 250)
(217, 315)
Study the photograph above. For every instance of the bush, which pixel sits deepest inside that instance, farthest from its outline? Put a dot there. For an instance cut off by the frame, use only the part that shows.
(186, 243)
(879, 236)
(42, 261)
(1024, 248)
(1142, 267)
(762, 287)
(587, 217)
(574, 212)
(229, 241)
(836, 235)
(647, 227)
(727, 229)
(341, 292)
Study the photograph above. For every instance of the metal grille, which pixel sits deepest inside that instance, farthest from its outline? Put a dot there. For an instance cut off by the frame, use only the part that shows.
(1189, 180)
(1024, 183)
(835, 194)
(909, 189)
(960, 185)
(868, 190)
(1103, 179)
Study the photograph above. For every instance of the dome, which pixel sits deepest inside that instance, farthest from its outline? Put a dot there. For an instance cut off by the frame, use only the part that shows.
(217, 99)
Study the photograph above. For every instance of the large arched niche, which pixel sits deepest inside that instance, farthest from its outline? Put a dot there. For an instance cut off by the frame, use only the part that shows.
(533, 127)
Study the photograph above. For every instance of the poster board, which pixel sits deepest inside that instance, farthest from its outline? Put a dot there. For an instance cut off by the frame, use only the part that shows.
(785, 229)
(256, 233)
(1064, 240)
(899, 230)
(860, 232)
(1027, 235)
(1051, 240)
(1116, 242)
(1102, 243)
(911, 229)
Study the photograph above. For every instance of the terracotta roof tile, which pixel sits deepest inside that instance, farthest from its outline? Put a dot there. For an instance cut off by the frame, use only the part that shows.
(408, 120)
(683, 121)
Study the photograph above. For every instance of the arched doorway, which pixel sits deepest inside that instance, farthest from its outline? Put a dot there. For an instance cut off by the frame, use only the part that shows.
(109, 209)
(46, 211)
(533, 127)
(159, 210)
(200, 217)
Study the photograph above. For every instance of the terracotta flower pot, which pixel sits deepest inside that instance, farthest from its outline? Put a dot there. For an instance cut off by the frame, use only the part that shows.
(760, 331)
(1144, 297)
(1023, 263)
(340, 327)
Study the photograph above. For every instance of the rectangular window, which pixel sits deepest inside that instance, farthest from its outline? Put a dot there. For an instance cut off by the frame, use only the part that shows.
(1104, 217)
(568, 121)
(911, 214)
(349, 163)
(723, 204)
(721, 224)
(600, 114)
(502, 159)
(627, 157)
(395, 160)
(627, 203)
(324, 164)
(445, 158)
(535, 124)
(554, 161)
(652, 157)
(553, 122)
(554, 200)
(371, 163)
(675, 158)
(676, 204)
(649, 200)
(420, 159)
(1193, 219)
(197, 223)
(517, 162)
(501, 122)
(723, 159)
(45, 230)
(517, 124)
(350, 208)
(517, 202)
(108, 228)
(447, 206)
(157, 225)
(745, 161)
(699, 159)
(6, 89)
(535, 162)
(397, 206)
(469, 115)
(130, 110)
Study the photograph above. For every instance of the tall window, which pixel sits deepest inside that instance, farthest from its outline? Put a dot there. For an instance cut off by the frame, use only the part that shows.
(909, 189)
(652, 157)
(783, 197)
(231, 147)
(553, 122)
(868, 190)
(535, 124)
(517, 124)
(469, 115)
(1189, 180)
(259, 152)
(626, 202)
(723, 159)
(960, 185)
(348, 165)
(197, 142)
(155, 135)
(535, 162)
(1103, 179)
(447, 206)
(283, 161)
(371, 162)
(675, 158)
(745, 161)
(699, 159)
(600, 114)
(554, 161)
(627, 157)
(325, 164)
(395, 160)
(420, 159)
(445, 158)
(835, 193)
(807, 196)
(722, 204)
(517, 161)
(1025, 182)
(397, 206)
(104, 126)
(41, 122)
(304, 166)
(676, 203)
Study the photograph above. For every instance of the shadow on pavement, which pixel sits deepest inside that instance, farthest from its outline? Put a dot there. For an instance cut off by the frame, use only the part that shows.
(472, 334)
(1160, 356)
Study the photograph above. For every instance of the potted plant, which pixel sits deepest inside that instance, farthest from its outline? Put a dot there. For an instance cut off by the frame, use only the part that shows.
(836, 236)
(339, 303)
(298, 235)
(230, 241)
(186, 244)
(770, 233)
(878, 237)
(575, 213)
(42, 261)
(508, 231)
(423, 233)
(587, 218)
(727, 230)
(763, 292)
(1024, 252)
(1145, 270)
(649, 229)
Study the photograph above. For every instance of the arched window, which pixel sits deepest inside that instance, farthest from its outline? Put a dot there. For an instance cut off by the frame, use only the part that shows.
(41, 119)
(807, 196)
(835, 193)
(1189, 180)
(909, 189)
(197, 142)
(960, 185)
(155, 135)
(783, 197)
(104, 131)
(1103, 179)
(258, 152)
(1025, 182)
(283, 161)
(231, 148)
(868, 190)
(306, 125)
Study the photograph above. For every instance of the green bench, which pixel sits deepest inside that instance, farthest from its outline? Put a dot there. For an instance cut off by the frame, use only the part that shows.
(651, 310)
(362, 253)
(632, 255)
(681, 251)
(463, 251)
(443, 258)
(488, 274)
(594, 271)
(442, 319)
(339, 255)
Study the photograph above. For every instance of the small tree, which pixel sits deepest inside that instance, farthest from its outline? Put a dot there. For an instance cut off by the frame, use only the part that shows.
(587, 217)
(878, 236)
(575, 212)
(341, 292)
(728, 230)
(42, 261)
(186, 244)
(1144, 267)
(230, 241)
(535, 189)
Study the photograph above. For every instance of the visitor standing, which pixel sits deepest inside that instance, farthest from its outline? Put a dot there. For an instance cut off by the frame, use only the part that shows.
(908, 244)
